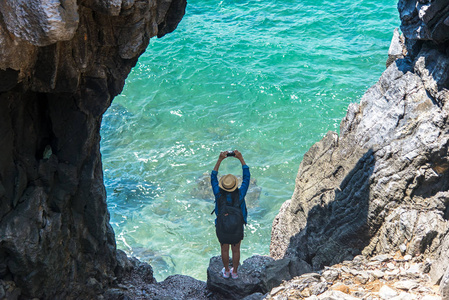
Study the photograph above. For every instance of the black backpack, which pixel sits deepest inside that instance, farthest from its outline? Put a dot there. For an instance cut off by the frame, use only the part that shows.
(229, 227)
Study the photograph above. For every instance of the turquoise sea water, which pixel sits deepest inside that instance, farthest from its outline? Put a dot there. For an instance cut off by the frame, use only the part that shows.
(269, 78)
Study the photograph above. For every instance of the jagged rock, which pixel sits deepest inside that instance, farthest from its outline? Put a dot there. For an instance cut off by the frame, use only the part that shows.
(353, 283)
(41, 23)
(330, 274)
(335, 295)
(61, 64)
(386, 292)
(406, 285)
(255, 296)
(249, 281)
(257, 274)
(383, 182)
(135, 281)
(425, 20)
(444, 285)
(283, 269)
(179, 287)
(404, 296)
(397, 48)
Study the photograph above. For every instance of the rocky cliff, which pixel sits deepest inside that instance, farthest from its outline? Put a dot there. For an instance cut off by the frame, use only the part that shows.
(61, 64)
(381, 186)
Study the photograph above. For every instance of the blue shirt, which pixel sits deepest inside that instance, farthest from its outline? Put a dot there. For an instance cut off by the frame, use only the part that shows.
(243, 189)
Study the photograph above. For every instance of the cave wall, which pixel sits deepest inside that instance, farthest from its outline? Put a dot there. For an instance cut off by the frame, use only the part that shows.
(61, 64)
(382, 184)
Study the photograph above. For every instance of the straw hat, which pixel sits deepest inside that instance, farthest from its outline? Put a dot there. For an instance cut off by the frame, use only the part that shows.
(228, 183)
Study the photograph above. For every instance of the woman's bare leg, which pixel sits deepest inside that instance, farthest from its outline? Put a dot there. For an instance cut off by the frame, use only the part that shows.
(225, 256)
(235, 256)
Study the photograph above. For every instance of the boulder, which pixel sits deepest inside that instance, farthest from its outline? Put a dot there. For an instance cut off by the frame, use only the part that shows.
(257, 274)
(249, 281)
(283, 269)
(135, 280)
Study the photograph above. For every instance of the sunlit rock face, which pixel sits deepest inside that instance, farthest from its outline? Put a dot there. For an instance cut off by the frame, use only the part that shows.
(61, 64)
(382, 184)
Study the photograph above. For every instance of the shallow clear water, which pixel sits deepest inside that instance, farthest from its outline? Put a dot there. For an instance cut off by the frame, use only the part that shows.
(267, 78)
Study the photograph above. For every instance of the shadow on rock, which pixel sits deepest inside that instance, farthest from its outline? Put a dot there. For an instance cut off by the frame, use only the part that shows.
(338, 231)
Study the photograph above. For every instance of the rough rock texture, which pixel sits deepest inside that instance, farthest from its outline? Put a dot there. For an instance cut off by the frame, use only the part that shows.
(425, 19)
(382, 185)
(381, 277)
(61, 64)
(257, 276)
(136, 281)
(397, 48)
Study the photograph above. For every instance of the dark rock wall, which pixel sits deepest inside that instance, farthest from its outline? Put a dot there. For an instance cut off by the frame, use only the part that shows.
(61, 64)
(382, 185)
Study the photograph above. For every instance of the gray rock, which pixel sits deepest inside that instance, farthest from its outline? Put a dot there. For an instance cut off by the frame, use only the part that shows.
(257, 274)
(404, 296)
(335, 295)
(134, 286)
(386, 292)
(41, 23)
(116, 294)
(179, 287)
(383, 182)
(377, 273)
(2, 292)
(318, 288)
(70, 60)
(255, 296)
(406, 285)
(444, 285)
(424, 20)
(249, 281)
(397, 48)
(330, 275)
(284, 269)
(381, 258)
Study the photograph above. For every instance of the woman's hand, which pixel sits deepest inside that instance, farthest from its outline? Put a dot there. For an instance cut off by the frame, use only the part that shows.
(238, 154)
(223, 155)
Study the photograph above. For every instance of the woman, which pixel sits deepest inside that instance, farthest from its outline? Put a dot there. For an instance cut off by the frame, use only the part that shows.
(228, 197)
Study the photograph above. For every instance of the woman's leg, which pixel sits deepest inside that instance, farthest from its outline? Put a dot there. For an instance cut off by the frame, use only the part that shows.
(235, 256)
(225, 256)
